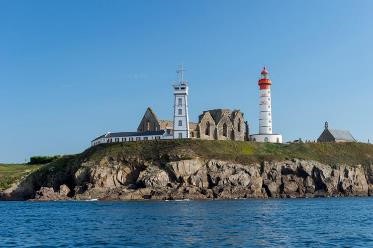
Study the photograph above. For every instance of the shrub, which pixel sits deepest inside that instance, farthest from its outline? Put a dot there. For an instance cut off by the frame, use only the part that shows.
(43, 159)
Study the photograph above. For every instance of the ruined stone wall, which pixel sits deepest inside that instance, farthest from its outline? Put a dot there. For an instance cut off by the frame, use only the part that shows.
(149, 122)
(207, 127)
(230, 125)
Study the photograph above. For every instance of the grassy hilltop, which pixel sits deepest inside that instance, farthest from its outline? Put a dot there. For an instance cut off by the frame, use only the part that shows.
(10, 173)
(242, 152)
(171, 150)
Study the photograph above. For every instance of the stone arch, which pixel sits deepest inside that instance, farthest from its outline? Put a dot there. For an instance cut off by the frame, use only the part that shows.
(232, 135)
(239, 126)
(208, 128)
(225, 130)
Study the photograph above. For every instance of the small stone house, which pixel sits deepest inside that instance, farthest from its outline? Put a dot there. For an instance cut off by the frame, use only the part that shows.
(335, 135)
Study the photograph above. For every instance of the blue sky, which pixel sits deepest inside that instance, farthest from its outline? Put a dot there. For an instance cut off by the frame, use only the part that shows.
(72, 70)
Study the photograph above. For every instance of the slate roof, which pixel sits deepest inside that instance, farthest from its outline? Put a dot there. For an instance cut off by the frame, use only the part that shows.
(342, 135)
(130, 134)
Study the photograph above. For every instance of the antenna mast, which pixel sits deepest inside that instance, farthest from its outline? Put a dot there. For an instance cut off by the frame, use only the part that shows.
(180, 74)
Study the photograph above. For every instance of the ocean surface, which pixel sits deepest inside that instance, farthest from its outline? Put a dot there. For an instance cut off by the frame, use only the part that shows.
(329, 222)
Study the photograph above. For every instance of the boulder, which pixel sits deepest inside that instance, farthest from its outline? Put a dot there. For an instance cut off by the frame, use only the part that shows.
(48, 194)
(153, 177)
(64, 190)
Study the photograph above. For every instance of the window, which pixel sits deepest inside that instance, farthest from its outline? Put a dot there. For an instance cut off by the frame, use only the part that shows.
(138, 138)
(168, 131)
(147, 126)
(180, 111)
(239, 125)
(207, 130)
(145, 138)
(125, 139)
(180, 123)
(266, 139)
(180, 135)
(180, 101)
(225, 130)
(278, 140)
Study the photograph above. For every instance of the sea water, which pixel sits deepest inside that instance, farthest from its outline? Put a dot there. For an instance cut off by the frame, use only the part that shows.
(329, 222)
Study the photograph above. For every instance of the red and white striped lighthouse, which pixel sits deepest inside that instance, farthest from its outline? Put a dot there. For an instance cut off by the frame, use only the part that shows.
(265, 111)
(265, 119)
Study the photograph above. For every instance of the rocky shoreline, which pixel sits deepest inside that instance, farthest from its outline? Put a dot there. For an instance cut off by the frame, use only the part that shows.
(134, 179)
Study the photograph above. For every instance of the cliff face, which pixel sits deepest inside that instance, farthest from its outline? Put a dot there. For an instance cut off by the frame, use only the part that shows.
(199, 169)
(208, 179)
(134, 179)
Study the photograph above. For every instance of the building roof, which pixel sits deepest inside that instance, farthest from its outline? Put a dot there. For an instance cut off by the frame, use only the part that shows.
(130, 134)
(341, 135)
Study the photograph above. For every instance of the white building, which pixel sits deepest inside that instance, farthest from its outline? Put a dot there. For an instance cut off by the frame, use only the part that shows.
(265, 114)
(181, 116)
(129, 136)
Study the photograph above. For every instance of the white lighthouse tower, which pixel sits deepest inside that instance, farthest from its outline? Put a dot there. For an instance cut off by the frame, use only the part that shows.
(181, 116)
(265, 115)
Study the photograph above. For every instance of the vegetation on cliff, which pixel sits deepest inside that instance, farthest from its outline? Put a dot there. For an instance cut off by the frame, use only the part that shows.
(242, 152)
(62, 170)
(10, 173)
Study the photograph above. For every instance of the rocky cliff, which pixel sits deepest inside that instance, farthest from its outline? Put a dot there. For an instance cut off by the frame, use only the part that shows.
(117, 176)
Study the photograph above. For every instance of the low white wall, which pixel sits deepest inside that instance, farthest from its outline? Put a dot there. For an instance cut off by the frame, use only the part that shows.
(271, 138)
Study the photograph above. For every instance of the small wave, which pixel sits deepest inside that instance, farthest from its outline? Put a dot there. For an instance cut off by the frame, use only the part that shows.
(95, 199)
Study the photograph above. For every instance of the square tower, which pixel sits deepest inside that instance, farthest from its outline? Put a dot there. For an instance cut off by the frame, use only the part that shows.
(181, 116)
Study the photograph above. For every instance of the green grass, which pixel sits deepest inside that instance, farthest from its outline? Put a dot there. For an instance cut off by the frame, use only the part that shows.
(10, 173)
(243, 152)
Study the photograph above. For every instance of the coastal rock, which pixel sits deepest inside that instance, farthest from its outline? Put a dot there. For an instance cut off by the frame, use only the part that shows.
(199, 179)
(48, 194)
(115, 178)
(185, 168)
(153, 177)
(112, 174)
(64, 190)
